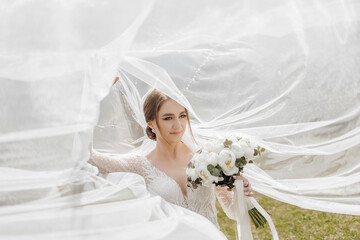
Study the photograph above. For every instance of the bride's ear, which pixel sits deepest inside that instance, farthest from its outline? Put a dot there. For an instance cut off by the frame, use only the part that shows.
(150, 125)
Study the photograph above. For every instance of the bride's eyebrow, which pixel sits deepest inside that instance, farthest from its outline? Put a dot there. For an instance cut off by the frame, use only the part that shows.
(171, 114)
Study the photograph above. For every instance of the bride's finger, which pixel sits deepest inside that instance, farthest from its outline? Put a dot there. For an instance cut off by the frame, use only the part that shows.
(249, 194)
(238, 177)
(116, 79)
(248, 189)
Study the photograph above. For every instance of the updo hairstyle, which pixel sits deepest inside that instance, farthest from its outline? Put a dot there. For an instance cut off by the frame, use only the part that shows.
(151, 108)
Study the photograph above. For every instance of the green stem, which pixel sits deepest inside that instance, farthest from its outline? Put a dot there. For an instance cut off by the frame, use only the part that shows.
(258, 219)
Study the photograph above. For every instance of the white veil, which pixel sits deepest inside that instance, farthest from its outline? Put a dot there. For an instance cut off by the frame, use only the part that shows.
(284, 72)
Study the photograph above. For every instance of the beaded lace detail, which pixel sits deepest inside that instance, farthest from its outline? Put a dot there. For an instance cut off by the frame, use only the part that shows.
(201, 200)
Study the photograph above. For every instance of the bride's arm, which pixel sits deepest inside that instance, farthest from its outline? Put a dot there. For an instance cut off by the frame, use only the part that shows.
(107, 164)
(225, 197)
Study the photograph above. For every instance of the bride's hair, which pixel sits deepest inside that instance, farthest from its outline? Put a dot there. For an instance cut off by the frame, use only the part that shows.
(151, 108)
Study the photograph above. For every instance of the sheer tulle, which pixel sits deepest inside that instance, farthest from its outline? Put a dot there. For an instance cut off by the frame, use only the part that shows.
(284, 72)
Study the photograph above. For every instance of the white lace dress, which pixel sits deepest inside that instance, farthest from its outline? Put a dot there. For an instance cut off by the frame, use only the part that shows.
(201, 200)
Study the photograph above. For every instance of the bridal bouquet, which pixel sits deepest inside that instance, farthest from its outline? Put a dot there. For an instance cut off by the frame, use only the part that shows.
(219, 161)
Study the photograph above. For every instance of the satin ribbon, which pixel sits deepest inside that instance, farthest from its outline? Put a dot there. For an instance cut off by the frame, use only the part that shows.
(243, 228)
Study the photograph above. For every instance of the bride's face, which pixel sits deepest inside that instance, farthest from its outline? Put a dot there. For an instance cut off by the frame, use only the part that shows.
(171, 120)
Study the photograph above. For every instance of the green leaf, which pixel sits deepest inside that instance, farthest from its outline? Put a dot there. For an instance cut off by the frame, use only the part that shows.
(210, 167)
(243, 160)
(198, 180)
(251, 161)
(227, 143)
(238, 163)
(215, 172)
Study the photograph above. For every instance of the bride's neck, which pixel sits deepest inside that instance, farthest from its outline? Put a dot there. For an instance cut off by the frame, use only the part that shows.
(169, 151)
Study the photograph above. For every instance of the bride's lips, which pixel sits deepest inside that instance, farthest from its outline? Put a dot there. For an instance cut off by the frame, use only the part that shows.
(175, 133)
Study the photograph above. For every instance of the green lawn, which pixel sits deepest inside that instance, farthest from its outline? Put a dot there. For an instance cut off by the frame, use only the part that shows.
(292, 222)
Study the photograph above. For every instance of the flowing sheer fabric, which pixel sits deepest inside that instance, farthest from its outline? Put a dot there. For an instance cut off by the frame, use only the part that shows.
(283, 72)
(200, 200)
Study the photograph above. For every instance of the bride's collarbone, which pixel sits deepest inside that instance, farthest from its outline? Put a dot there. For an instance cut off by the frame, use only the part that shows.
(174, 168)
(176, 171)
(170, 164)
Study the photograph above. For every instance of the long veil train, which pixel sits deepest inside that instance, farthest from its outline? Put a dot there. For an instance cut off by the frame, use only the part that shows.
(283, 72)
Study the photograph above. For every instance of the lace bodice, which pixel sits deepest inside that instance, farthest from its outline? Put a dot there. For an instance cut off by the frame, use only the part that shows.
(201, 200)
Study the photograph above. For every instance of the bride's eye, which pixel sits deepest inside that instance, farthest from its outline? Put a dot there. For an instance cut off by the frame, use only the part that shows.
(183, 116)
(167, 118)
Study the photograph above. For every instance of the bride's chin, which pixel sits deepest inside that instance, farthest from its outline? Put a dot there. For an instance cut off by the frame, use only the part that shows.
(175, 138)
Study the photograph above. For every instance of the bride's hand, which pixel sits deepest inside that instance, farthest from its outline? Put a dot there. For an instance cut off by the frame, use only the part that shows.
(247, 187)
(116, 79)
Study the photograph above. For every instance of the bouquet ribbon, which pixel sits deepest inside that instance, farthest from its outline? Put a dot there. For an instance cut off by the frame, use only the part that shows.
(243, 227)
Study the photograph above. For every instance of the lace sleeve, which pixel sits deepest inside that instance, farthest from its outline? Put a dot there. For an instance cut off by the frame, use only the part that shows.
(225, 199)
(107, 164)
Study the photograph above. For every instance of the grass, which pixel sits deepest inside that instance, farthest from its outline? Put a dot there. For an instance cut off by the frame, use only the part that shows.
(292, 222)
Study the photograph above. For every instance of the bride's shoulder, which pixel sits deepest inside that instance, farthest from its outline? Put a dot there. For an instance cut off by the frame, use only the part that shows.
(133, 157)
(136, 156)
(188, 151)
(186, 146)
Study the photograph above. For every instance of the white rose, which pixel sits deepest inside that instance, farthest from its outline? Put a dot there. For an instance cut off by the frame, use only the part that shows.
(207, 178)
(249, 154)
(232, 138)
(243, 143)
(215, 147)
(248, 151)
(237, 150)
(249, 142)
(194, 158)
(227, 161)
(208, 147)
(192, 173)
(213, 159)
(253, 145)
(201, 160)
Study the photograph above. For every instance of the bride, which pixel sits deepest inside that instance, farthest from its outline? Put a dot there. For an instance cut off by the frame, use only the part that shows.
(164, 168)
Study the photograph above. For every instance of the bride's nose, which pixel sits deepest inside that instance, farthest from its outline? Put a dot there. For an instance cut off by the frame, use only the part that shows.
(177, 124)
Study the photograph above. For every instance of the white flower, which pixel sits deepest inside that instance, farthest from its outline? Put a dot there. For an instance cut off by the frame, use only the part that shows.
(237, 150)
(252, 144)
(192, 173)
(206, 158)
(249, 154)
(215, 146)
(247, 149)
(227, 161)
(201, 160)
(213, 159)
(232, 138)
(207, 178)
(195, 158)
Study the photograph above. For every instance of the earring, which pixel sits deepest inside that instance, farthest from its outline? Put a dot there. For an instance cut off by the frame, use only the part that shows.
(153, 130)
